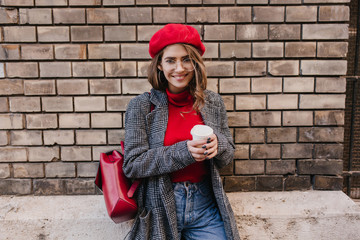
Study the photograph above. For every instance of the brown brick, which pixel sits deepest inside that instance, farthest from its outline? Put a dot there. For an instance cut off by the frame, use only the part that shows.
(117, 103)
(284, 32)
(55, 69)
(89, 104)
(325, 31)
(115, 136)
(3, 139)
(229, 102)
(333, 117)
(76, 153)
(329, 151)
(334, 13)
(283, 167)
(297, 183)
(49, 187)
(84, 2)
(43, 154)
(76, 120)
(4, 170)
(17, 3)
(35, 16)
(268, 14)
(250, 102)
(104, 51)
(19, 34)
(278, 135)
(120, 33)
(219, 32)
(90, 137)
(39, 87)
(235, 50)
(11, 121)
(261, 2)
(4, 105)
(219, 68)
(241, 151)
(57, 104)
(331, 85)
(37, 51)
(61, 137)
(202, 15)
(269, 183)
(138, 51)
(235, 85)
(88, 69)
(300, 49)
(26, 137)
(136, 15)
(79, 186)
(251, 68)
(320, 166)
(87, 169)
(41, 121)
(239, 184)
(2, 70)
(59, 169)
(120, 69)
(28, 170)
(249, 135)
(169, 14)
(13, 154)
(218, 1)
(322, 101)
(11, 86)
(70, 51)
(22, 69)
(106, 120)
(268, 50)
(53, 34)
(24, 104)
(284, 68)
(299, 84)
(328, 183)
(69, 15)
(102, 15)
(283, 101)
(297, 150)
(152, 2)
(97, 150)
(301, 14)
(8, 16)
(265, 151)
(51, 2)
(72, 87)
(86, 33)
(143, 68)
(252, 32)
(332, 49)
(9, 52)
(298, 118)
(248, 167)
(266, 118)
(212, 50)
(260, 85)
(145, 33)
(181, 2)
(321, 134)
(135, 86)
(238, 119)
(285, 2)
(235, 14)
(15, 186)
(118, 2)
(105, 86)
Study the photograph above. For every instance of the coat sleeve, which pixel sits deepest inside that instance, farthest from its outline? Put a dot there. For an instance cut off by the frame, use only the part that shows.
(139, 160)
(226, 147)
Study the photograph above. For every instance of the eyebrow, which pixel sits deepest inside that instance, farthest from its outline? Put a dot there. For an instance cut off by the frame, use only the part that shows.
(186, 56)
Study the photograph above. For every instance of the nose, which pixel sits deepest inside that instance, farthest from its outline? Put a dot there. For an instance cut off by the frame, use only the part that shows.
(179, 66)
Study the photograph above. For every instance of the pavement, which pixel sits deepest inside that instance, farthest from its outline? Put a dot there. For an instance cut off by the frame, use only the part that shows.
(318, 215)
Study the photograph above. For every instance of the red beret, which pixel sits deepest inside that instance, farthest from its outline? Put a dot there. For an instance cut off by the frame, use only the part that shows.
(175, 33)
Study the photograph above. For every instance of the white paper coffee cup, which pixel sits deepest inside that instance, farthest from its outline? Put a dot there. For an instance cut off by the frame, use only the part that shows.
(200, 132)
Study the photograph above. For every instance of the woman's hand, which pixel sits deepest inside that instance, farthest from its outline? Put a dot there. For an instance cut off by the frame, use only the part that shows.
(203, 149)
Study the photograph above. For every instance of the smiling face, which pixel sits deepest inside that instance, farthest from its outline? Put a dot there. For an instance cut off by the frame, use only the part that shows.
(177, 67)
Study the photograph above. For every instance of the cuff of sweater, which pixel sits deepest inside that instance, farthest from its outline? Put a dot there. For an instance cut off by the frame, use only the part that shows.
(184, 155)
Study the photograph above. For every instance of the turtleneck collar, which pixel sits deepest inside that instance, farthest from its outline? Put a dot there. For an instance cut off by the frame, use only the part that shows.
(180, 99)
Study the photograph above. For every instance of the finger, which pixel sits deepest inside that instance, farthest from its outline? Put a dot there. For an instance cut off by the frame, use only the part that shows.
(212, 155)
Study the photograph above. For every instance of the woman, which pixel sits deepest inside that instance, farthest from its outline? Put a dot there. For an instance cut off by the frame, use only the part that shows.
(181, 194)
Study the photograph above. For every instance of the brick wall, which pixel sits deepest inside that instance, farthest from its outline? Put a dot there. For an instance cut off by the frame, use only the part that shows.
(69, 68)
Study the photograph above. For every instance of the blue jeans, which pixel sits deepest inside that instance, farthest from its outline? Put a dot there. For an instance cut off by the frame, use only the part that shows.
(198, 216)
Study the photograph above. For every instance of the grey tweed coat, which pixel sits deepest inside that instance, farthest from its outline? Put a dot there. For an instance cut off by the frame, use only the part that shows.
(146, 157)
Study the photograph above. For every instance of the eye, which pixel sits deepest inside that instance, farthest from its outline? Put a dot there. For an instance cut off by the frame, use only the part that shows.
(186, 60)
(170, 61)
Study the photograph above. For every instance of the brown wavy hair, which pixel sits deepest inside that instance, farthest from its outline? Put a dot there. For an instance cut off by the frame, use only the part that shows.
(196, 86)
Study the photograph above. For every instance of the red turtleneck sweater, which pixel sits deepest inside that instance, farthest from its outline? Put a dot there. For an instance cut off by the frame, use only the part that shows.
(182, 117)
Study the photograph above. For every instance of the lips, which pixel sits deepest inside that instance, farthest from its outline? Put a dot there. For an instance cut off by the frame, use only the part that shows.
(179, 77)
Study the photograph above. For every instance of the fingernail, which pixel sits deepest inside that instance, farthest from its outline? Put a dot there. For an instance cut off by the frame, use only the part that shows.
(205, 153)
(204, 146)
(208, 141)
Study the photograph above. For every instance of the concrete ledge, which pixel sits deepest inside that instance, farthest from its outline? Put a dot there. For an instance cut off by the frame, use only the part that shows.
(260, 215)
